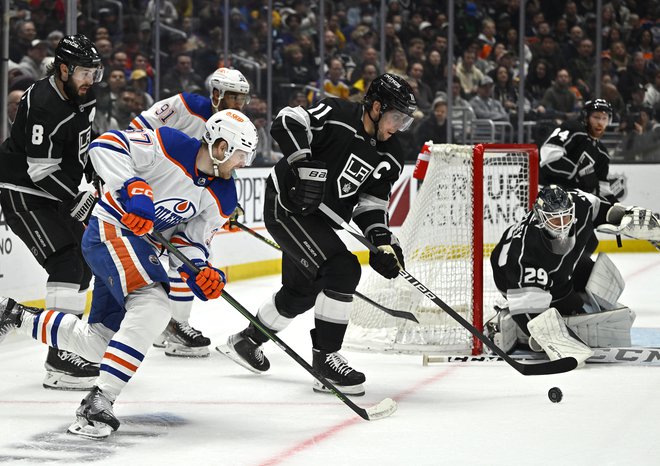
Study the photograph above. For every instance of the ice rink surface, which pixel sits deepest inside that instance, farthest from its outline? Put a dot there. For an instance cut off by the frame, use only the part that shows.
(213, 412)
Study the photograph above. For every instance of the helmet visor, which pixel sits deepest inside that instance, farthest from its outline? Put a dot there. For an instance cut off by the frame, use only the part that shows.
(397, 120)
(236, 98)
(247, 157)
(85, 74)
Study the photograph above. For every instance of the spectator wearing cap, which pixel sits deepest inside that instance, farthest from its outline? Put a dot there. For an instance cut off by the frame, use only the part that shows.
(434, 126)
(139, 80)
(613, 96)
(484, 105)
(633, 76)
(559, 102)
(53, 40)
(31, 64)
(21, 41)
(607, 68)
(423, 94)
(468, 74)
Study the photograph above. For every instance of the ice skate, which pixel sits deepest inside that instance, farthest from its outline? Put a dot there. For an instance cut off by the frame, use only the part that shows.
(244, 351)
(185, 341)
(161, 340)
(94, 417)
(10, 316)
(68, 371)
(335, 368)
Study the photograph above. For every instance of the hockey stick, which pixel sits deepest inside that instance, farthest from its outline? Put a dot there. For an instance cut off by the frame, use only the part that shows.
(550, 367)
(386, 310)
(381, 410)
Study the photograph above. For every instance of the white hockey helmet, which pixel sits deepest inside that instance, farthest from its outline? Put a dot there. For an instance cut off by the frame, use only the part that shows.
(225, 79)
(555, 211)
(237, 130)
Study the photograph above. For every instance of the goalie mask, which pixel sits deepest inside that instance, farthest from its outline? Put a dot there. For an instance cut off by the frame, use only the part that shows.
(227, 80)
(555, 210)
(237, 130)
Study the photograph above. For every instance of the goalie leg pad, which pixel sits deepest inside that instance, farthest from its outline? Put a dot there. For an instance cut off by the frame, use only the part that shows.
(550, 332)
(604, 329)
(605, 283)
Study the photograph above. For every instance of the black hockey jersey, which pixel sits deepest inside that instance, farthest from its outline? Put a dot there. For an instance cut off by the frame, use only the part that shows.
(574, 160)
(46, 151)
(361, 170)
(526, 269)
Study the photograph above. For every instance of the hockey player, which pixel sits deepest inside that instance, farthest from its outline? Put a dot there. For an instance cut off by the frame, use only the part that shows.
(574, 157)
(162, 180)
(347, 155)
(543, 267)
(228, 89)
(41, 168)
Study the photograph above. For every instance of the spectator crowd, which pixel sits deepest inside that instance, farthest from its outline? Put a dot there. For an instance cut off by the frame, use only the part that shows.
(559, 59)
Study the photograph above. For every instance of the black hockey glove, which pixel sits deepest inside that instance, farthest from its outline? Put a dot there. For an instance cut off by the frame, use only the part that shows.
(81, 206)
(389, 258)
(306, 187)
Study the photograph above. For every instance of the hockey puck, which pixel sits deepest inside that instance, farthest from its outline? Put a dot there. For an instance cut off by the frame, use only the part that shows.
(555, 394)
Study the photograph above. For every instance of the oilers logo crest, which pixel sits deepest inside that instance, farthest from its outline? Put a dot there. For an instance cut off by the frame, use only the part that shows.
(171, 212)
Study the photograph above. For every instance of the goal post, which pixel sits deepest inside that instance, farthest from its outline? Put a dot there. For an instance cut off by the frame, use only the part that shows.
(469, 196)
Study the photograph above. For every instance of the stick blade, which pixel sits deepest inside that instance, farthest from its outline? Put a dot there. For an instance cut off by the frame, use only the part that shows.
(551, 367)
(384, 409)
(403, 315)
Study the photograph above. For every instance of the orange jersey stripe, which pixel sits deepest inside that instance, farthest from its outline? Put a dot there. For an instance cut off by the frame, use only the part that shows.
(112, 138)
(120, 361)
(134, 279)
(44, 326)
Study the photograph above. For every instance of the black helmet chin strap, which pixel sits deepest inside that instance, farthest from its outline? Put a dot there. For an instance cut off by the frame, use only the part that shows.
(375, 122)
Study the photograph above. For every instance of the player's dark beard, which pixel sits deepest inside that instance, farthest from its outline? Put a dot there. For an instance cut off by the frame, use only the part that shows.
(72, 93)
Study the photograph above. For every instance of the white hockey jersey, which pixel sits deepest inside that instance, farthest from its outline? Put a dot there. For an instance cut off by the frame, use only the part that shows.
(185, 112)
(190, 206)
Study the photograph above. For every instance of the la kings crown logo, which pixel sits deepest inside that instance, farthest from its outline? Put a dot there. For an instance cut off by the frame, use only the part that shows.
(354, 173)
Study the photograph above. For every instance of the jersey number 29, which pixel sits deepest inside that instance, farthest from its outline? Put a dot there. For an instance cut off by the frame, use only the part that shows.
(533, 275)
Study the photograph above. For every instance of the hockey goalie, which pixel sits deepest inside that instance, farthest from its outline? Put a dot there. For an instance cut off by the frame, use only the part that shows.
(558, 300)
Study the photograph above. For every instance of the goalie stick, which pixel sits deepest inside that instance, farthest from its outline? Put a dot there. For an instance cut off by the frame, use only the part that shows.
(386, 310)
(549, 367)
(381, 410)
(634, 355)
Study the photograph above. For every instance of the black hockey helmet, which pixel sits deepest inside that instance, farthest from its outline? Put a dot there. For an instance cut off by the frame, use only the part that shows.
(596, 105)
(555, 210)
(393, 92)
(77, 50)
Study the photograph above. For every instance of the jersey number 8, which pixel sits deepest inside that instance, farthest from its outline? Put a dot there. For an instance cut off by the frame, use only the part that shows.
(37, 134)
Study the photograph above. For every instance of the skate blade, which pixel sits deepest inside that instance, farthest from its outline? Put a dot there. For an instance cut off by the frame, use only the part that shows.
(182, 351)
(62, 381)
(231, 354)
(352, 390)
(94, 430)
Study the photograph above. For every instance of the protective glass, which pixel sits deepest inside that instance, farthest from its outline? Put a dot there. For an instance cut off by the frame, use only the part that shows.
(559, 223)
(397, 119)
(83, 74)
(235, 97)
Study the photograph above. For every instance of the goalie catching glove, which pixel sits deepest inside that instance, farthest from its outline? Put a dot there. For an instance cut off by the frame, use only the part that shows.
(633, 222)
(389, 258)
(205, 284)
(137, 198)
(306, 185)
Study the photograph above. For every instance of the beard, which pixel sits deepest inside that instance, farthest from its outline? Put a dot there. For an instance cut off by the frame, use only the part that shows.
(72, 93)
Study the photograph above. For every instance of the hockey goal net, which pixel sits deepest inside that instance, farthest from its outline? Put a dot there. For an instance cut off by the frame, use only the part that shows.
(470, 194)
